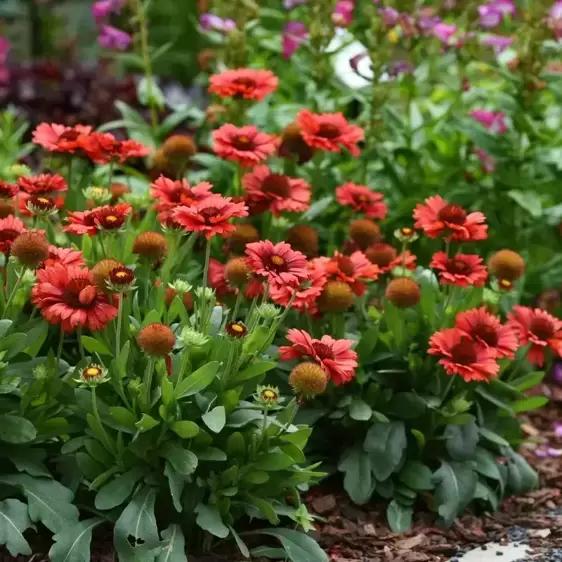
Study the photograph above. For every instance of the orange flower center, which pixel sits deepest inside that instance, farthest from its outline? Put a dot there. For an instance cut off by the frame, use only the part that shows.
(243, 142)
(328, 131)
(276, 184)
(458, 267)
(345, 265)
(542, 328)
(269, 395)
(406, 231)
(111, 218)
(505, 284)
(92, 373)
(486, 333)
(463, 352)
(452, 214)
(237, 328)
(186, 199)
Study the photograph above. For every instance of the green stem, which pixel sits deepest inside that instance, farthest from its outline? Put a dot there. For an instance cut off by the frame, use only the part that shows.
(13, 293)
(110, 178)
(236, 305)
(80, 345)
(105, 438)
(119, 325)
(183, 366)
(203, 307)
(148, 382)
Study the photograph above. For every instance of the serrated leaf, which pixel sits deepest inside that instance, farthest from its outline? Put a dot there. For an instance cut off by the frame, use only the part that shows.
(114, 493)
(215, 419)
(173, 547)
(209, 519)
(73, 544)
(14, 520)
(298, 546)
(198, 381)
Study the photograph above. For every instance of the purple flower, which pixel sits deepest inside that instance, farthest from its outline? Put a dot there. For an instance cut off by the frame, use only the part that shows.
(499, 42)
(429, 23)
(558, 429)
(444, 32)
(294, 35)
(210, 22)
(545, 452)
(554, 20)
(342, 15)
(488, 162)
(104, 8)
(494, 121)
(5, 47)
(557, 372)
(113, 38)
(289, 4)
(389, 16)
(489, 16)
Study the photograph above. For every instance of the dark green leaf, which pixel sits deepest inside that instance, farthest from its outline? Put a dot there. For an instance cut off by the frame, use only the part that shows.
(407, 405)
(493, 399)
(14, 520)
(265, 508)
(399, 517)
(15, 429)
(73, 543)
(13, 344)
(123, 416)
(298, 546)
(417, 476)
(209, 519)
(385, 443)
(28, 460)
(256, 340)
(185, 429)
(461, 440)
(183, 461)
(176, 483)
(114, 493)
(95, 346)
(146, 423)
(528, 381)
(274, 460)
(198, 381)
(215, 419)
(356, 465)
(359, 410)
(173, 548)
(493, 437)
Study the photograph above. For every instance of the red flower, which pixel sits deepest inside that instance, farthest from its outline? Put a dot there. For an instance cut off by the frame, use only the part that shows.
(487, 330)
(59, 138)
(329, 132)
(335, 356)
(278, 263)
(305, 296)
(462, 356)
(222, 287)
(10, 228)
(386, 257)
(437, 218)
(538, 328)
(64, 256)
(279, 192)
(8, 190)
(43, 184)
(67, 296)
(362, 200)
(100, 148)
(462, 270)
(353, 270)
(101, 218)
(170, 193)
(132, 149)
(244, 83)
(42, 202)
(245, 145)
(210, 216)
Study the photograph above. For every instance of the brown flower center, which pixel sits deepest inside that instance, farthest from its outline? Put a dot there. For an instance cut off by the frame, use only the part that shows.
(322, 350)
(458, 267)
(79, 293)
(328, 131)
(8, 235)
(542, 328)
(486, 333)
(209, 213)
(276, 184)
(245, 83)
(70, 135)
(243, 142)
(464, 352)
(381, 254)
(109, 220)
(452, 214)
(345, 265)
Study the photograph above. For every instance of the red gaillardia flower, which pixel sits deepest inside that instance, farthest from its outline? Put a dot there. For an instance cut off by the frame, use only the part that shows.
(132, 149)
(10, 228)
(169, 193)
(64, 256)
(538, 328)
(245, 145)
(68, 296)
(353, 270)
(329, 132)
(278, 263)
(487, 330)
(103, 148)
(462, 270)
(8, 190)
(219, 280)
(43, 184)
(210, 216)
(361, 199)
(439, 218)
(463, 356)
(280, 192)
(101, 218)
(245, 83)
(335, 356)
(387, 258)
(59, 138)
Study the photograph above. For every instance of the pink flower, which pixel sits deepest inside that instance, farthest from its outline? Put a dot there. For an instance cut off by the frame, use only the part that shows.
(353, 270)
(362, 199)
(170, 194)
(342, 16)
(494, 121)
(444, 32)
(462, 270)
(294, 35)
(498, 42)
(246, 83)
(210, 22)
(114, 39)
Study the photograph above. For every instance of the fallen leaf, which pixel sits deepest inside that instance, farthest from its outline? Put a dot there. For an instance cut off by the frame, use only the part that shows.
(412, 542)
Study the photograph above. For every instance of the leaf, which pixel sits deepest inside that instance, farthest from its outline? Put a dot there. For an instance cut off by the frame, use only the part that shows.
(146, 423)
(461, 440)
(399, 517)
(407, 405)
(417, 476)
(256, 340)
(198, 381)
(454, 487)
(173, 548)
(527, 404)
(73, 543)
(486, 465)
(13, 344)
(240, 543)
(492, 399)
(185, 429)
(215, 419)
(114, 493)
(274, 460)
(529, 201)
(242, 417)
(176, 484)
(14, 520)
(15, 429)
(28, 460)
(493, 437)
(357, 482)
(298, 546)
(265, 508)
(184, 461)
(209, 519)
(317, 208)
(521, 477)
(254, 370)
(385, 443)
(95, 346)
(123, 416)
(4, 326)
(48, 501)
(359, 410)
(529, 380)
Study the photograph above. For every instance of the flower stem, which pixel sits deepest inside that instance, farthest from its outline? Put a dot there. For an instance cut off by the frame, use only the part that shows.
(205, 281)
(13, 293)
(59, 350)
(119, 325)
(104, 437)
(148, 383)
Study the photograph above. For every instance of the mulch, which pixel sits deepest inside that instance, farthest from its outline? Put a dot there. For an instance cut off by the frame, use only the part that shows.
(349, 533)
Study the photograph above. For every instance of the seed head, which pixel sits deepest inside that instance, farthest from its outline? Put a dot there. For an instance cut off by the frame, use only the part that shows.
(150, 245)
(101, 271)
(403, 292)
(237, 272)
(308, 380)
(304, 238)
(337, 296)
(507, 264)
(364, 232)
(31, 248)
(156, 339)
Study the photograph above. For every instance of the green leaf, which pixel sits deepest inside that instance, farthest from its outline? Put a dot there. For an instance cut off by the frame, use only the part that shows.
(4, 326)
(493, 399)
(173, 547)
(95, 346)
(13, 344)
(407, 405)
(487, 466)
(27, 460)
(114, 493)
(209, 519)
(48, 501)
(356, 465)
(123, 416)
(399, 517)
(317, 208)
(14, 520)
(454, 488)
(185, 429)
(274, 460)
(176, 484)
(240, 543)
(531, 403)
(256, 340)
(73, 543)
(461, 440)
(529, 380)
(417, 476)
(215, 420)
(298, 546)
(265, 508)
(212, 454)
(359, 410)
(146, 423)
(121, 361)
(198, 381)
(385, 443)
(254, 370)
(15, 429)
(167, 391)
(493, 437)
(529, 201)
(521, 477)
(183, 461)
